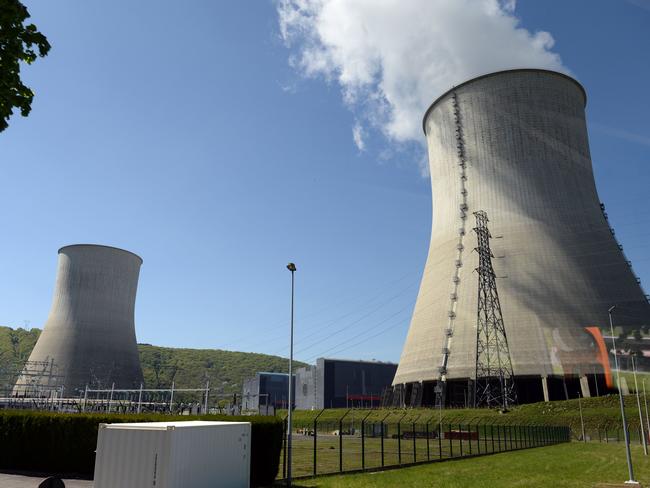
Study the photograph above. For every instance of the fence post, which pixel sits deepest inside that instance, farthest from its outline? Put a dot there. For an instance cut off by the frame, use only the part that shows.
(382, 438)
(363, 441)
(382, 443)
(399, 438)
(484, 438)
(478, 437)
(492, 435)
(413, 432)
(451, 443)
(460, 438)
(524, 434)
(414, 445)
(316, 440)
(341, 441)
(399, 442)
(427, 431)
(499, 437)
(440, 440)
(469, 437)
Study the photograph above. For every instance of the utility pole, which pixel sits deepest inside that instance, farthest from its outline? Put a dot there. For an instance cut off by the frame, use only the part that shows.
(638, 404)
(626, 434)
(582, 421)
(291, 267)
(645, 400)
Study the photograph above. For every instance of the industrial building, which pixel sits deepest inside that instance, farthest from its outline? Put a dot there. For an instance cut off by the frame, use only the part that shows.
(266, 392)
(337, 383)
(509, 160)
(89, 336)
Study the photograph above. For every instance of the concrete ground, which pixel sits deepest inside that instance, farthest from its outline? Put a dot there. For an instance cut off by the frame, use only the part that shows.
(20, 481)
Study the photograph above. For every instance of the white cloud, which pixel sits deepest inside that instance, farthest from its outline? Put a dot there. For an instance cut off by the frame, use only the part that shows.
(392, 58)
(357, 136)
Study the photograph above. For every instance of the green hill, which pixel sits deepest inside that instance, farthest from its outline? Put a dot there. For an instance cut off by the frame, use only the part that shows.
(187, 368)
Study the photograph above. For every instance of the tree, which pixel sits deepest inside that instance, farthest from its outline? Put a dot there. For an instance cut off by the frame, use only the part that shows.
(18, 43)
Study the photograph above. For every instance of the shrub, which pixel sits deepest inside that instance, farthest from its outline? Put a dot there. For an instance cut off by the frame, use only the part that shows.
(66, 443)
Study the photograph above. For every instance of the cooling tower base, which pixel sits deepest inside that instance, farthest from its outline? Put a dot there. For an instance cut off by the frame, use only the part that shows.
(459, 393)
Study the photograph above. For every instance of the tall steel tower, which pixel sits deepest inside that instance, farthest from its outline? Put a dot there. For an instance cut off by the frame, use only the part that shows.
(494, 379)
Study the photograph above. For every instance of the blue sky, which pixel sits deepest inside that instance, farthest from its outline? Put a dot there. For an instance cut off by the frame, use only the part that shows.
(185, 135)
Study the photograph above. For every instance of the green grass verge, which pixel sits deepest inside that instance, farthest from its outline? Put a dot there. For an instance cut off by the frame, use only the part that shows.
(599, 413)
(572, 465)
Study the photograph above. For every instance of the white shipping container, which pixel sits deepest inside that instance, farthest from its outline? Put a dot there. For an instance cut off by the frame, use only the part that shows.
(193, 454)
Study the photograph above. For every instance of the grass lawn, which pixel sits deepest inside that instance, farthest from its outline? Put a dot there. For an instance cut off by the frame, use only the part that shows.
(412, 450)
(566, 465)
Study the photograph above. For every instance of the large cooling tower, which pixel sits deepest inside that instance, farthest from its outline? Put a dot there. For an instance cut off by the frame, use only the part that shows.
(89, 336)
(514, 145)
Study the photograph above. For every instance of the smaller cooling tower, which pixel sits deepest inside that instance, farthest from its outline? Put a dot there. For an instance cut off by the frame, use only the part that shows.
(89, 336)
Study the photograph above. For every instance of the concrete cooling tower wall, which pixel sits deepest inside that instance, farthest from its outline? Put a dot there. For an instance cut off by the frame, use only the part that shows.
(558, 265)
(89, 336)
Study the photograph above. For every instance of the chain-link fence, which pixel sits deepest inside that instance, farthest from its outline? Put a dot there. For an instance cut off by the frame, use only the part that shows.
(607, 435)
(347, 443)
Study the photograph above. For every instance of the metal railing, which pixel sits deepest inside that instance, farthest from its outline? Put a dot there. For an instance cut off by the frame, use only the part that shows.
(347, 444)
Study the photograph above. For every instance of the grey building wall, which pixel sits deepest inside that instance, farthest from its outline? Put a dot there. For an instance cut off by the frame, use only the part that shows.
(266, 389)
(559, 268)
(250, 393)
(89, 335)
(309, 391)
(335, 383)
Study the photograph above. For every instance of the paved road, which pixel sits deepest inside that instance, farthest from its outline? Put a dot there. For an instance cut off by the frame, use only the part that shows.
(18, 481)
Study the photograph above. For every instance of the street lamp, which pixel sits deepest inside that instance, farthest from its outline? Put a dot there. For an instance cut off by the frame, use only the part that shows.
(291, 267)
(630, 470)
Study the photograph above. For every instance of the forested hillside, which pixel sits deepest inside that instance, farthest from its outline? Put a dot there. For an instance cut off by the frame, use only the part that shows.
(187, 368)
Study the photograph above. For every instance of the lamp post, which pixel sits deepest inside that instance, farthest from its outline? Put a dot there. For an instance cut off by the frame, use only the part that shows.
(291, 267)
(638, 404)
(645, 400)
(620, 397)
(582, 421)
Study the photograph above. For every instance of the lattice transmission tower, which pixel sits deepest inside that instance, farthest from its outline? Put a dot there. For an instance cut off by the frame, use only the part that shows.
(494, 385)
